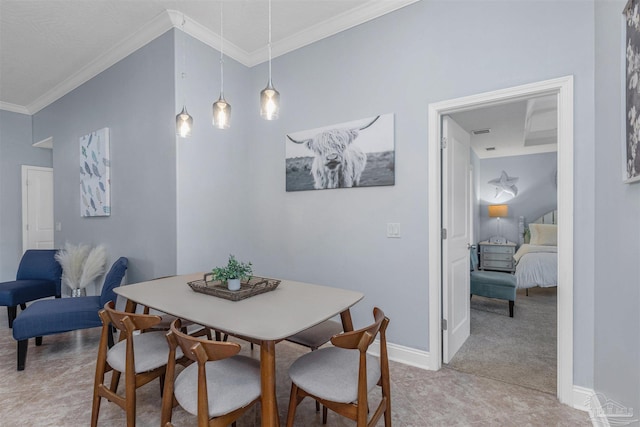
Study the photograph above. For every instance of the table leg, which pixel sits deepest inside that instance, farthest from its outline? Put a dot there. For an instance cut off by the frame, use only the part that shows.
(347, 323)
(269, 405)
(131, 306)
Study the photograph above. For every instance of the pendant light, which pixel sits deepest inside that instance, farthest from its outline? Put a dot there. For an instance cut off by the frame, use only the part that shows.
(221, 108)
(269, 97)
(184, 122)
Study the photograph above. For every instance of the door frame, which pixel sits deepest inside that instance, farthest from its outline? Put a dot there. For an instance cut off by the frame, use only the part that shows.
(563, 88)
(25, 205)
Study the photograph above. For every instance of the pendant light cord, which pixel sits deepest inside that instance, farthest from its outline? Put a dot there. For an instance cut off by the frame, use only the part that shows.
(184, 61)
(221, 52)
(269, 41)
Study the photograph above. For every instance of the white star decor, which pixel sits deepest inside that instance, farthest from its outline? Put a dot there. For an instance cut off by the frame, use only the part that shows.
(505, 184)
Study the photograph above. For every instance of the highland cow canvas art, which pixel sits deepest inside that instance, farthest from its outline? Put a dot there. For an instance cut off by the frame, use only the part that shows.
(360, 153)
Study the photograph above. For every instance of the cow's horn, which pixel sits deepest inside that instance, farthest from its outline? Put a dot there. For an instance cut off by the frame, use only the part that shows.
(374, 120)
(297, 142)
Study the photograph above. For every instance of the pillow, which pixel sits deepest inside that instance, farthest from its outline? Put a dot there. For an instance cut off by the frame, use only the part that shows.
(544, 234)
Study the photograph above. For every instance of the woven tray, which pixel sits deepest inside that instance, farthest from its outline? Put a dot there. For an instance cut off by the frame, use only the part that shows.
(248, 288)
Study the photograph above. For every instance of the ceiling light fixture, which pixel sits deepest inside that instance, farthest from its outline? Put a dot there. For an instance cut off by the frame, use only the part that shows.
(184, 122)
(221, 108)
(269, 97)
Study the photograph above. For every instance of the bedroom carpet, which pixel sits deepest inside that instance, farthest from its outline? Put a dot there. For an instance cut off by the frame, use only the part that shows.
(519, 350)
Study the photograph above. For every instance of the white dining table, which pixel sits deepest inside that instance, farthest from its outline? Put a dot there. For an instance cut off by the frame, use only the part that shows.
(265, 318)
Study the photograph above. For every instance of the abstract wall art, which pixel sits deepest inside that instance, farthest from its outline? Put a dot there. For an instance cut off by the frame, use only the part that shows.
(95, 174)
(631, 167)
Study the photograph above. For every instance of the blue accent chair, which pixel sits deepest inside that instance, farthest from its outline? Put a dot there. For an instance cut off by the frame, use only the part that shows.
(50, 317)
(492, 284)
(39, 276)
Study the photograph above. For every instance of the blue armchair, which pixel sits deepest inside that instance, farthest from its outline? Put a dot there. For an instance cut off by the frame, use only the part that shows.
(50, 317)
(39, 276)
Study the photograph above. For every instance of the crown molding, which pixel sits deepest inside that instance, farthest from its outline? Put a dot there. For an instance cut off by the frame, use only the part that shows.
(328, 28)
(155, 28)
(169, 19)
(14, 108)
(208, 37)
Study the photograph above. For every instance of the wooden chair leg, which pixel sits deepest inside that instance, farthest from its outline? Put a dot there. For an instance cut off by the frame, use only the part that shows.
(510, 308)
(115, 379)
(293, 403)
(22, 353)
(324, 415)
(38, 341)
(11, 313)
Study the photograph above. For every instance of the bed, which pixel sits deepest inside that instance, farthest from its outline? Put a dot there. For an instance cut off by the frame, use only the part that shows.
(537, 258)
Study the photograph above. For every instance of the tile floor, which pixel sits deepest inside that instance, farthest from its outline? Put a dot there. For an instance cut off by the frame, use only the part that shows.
(55, 389)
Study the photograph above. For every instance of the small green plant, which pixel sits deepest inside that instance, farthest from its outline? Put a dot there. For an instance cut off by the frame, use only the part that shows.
(234, 270)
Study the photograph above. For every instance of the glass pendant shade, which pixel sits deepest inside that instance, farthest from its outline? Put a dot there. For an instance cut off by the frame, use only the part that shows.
(184, 123)
(269, 102)
(221, 113)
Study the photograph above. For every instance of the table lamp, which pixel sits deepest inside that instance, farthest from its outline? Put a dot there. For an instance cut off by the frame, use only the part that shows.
(498, 211)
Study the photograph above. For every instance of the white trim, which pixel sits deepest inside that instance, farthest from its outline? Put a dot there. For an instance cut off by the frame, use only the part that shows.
(563, 87)
(25, 207)
(405, 355)
(152, 30)
(44, 143)
(14, 108)
(334, 25)
(169, 19)
(583, 398)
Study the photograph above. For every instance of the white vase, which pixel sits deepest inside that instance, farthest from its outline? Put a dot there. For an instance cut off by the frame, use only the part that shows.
(79, 292)
(233, 284)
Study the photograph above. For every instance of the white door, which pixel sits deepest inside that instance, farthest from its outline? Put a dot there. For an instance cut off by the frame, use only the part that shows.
(37, 208)
(456, 211)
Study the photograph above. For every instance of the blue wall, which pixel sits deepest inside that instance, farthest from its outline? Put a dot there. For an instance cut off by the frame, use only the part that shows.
(537, 191)
(617, 226)
(399, 63)
(229, 186)
(134, 99)
(15, 150)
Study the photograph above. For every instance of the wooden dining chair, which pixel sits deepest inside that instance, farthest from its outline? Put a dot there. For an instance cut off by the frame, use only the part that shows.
(142, 357)
(219, 388)
(340, 377)
(315, 337)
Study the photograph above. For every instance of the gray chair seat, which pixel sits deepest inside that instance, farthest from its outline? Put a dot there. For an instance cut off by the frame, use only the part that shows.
(231, 383)
(331, 373)
(150, 351)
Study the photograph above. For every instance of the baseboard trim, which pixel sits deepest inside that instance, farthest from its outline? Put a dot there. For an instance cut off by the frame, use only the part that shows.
(583, 398)
(586, 399)
(405, 355)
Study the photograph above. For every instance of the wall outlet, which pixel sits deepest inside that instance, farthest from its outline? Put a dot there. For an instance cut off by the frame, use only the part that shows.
(393, 230)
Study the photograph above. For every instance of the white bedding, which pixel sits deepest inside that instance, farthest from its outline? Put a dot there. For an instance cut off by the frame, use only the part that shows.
(536, 266)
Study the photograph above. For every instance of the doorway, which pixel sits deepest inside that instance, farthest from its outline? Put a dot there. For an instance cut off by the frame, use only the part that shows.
(37, 207)
(562, 88)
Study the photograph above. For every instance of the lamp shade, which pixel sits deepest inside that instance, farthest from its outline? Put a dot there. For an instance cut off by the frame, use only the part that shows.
(498, 211)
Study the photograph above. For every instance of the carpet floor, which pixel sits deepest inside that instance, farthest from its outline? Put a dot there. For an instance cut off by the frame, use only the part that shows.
(519, 350)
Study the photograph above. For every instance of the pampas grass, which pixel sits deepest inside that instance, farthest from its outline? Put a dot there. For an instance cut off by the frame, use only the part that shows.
(72, 258)
(81, 265)
(93, 266)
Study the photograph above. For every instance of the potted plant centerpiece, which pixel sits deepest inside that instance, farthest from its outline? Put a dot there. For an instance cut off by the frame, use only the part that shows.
(233, 273)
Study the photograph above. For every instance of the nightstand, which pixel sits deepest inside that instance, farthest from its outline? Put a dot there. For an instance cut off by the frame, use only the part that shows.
(497, 256)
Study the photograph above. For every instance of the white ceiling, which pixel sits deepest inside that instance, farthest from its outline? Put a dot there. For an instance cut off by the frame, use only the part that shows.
(516, 128)
(48, 48)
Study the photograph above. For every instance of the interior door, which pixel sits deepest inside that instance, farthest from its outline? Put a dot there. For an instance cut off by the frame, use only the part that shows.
(456, 211)
(37, 208)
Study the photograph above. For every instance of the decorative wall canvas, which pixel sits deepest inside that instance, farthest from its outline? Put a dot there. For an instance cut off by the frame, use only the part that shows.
(95, 174)
(632, 145)
(360, 153)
